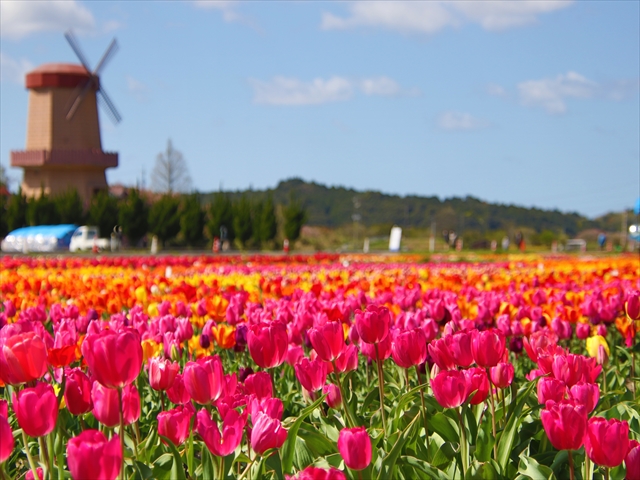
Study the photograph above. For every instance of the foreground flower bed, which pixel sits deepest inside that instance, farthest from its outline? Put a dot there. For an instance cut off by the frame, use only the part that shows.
(319, 367)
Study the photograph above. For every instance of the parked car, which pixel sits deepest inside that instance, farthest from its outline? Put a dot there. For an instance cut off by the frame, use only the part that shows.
(41, 238)
(87, 238)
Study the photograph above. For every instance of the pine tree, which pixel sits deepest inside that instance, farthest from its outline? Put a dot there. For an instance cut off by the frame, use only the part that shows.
(242, 221)
(42, 211)
(164, 218)
(133, 217)
(269, 222)
(221, 215)
(17, 211)
(192, 220)
(294, 217)
(103, 212)
(69, 206)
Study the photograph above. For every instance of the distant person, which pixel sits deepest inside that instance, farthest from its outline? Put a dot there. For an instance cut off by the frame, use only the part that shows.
(602, 240)
(520, 241)
(505, 243)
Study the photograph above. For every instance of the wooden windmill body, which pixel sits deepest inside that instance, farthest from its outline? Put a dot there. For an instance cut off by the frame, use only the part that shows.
(63, 147)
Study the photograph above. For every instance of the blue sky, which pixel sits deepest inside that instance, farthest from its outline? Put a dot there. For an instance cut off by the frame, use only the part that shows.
(533, 103)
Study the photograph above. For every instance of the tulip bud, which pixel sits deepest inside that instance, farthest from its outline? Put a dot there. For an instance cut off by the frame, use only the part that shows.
(91, 455)
(354, 444)
(333, 398)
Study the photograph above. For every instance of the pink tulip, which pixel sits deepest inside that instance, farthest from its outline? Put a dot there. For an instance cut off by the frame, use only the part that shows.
(91, 455)
(441, 355)
(550, 388)
(36, 409)
(40, 474)
(328, 340)
(315, 473)
(569, 368)
(259, 384)
(348, 359)
(267, 433)
(409, 348)
(354, 445)
(333, 398)
(162, 373)
(565, 424)
(583, 330)
(106, 404)
(312, 374)
(273, 407)
(6, 436)
(477, 381)
(587, 394)
(459, 345)
(632, 461)
(632, 306)
(268, 344)
(232, 429)
(502, 374)
(177, 393)
(175, 424)
(373, 323)
(203, 379)
(375, 351)
(487, 347)
(607, 441)
(114, 358)
(449, 388)
(23, 358)
(77, 392)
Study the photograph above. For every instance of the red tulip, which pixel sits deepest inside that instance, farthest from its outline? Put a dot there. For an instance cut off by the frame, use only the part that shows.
(569, 368)
(39, 472)
(114, 358)
(91, 455)
(175, 424)
(565, 424)
(550, 388)
(487, 347)
(373, 323)
(632, 461)
(441, 355)
(162, 373)
(273, 407)
(232, 429)
(328, 340)
(449, 388)
(477, 381)
(587, 394)
(312, 374)
(267, 433)
(315, 473)
(632, 306)
(354, 444)
(6, 436)
(583, 330)
(383, 349)
(333, 398)
(77, 392)
(607, 441)
(348, 359)
(23, 358)
(409, 348)
(106, 404)
(259, 384)
(203, 379)
(177, 393)
(36, 409)
(459, 345)
(502, 374)
(268, 344)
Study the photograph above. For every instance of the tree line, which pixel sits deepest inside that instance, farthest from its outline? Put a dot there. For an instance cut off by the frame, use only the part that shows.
(176, 219)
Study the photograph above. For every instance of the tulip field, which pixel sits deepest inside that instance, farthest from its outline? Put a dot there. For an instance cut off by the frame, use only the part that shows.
(319, 367)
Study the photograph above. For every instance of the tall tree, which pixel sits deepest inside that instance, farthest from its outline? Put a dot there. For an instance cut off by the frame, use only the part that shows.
(269, 222)
(133, 216)
(164, 218)
(42, 211)
(17, 211)
(257, 208)
(69, 206)
(221, 215)
(294, 217)
(103, 212)
(242, 221)
(170, 173)
(192, 219)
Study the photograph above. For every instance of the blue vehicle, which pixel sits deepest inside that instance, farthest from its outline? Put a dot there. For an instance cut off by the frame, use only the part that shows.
(42, 238)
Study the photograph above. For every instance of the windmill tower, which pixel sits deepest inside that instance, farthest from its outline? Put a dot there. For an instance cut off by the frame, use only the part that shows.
(63, 148)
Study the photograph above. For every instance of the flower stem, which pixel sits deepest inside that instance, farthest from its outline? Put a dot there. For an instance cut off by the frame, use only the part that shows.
(32, 464)
(121, 432)
(347, 412)
(493, 415)
(381, 386)
(571, 473)
(463, 443)
(424, 410)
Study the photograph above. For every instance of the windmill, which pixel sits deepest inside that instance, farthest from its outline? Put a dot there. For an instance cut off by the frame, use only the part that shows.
(63, 147)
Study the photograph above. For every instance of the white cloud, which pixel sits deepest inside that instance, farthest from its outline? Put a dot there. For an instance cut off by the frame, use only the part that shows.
(434, 16)
(551, 93)
(12, 70)
(227, 7)
(292, 91)
(496, 90)
(20, 19)
(138, 89)
(461, 121)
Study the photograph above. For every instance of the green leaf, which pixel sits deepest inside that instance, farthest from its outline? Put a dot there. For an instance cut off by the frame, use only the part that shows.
(445, 427)
(288, 449)
(482, 471)
(424, 467)
(163, 466)
(389, 461)
(505, 442)
(533, 470)
(143, 469)
(318, 444)
(302, 456)
(177, 470)
(484, 441)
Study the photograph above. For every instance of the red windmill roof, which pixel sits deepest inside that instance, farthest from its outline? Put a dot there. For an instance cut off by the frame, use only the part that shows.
(57, 75)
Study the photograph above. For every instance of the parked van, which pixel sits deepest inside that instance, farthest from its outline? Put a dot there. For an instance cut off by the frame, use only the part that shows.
(87, 238)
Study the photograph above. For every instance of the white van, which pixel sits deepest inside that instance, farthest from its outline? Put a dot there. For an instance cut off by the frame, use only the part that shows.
(87, 238)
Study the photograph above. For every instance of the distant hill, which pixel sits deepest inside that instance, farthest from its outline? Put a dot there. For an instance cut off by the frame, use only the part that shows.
(336, 206)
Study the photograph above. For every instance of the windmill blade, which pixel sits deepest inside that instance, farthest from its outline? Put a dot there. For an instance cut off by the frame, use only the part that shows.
(110, 107)
(76, 48)
(111, 50)
(76, 104)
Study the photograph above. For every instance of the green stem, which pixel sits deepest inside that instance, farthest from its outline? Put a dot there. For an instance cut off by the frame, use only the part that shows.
(121, 432)
(32, 464)
(463, 443)
(493, 415)
(424, 409)
(381, 387)
(571, 473)
(345, 405)
(45, 454)
(60, 454)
